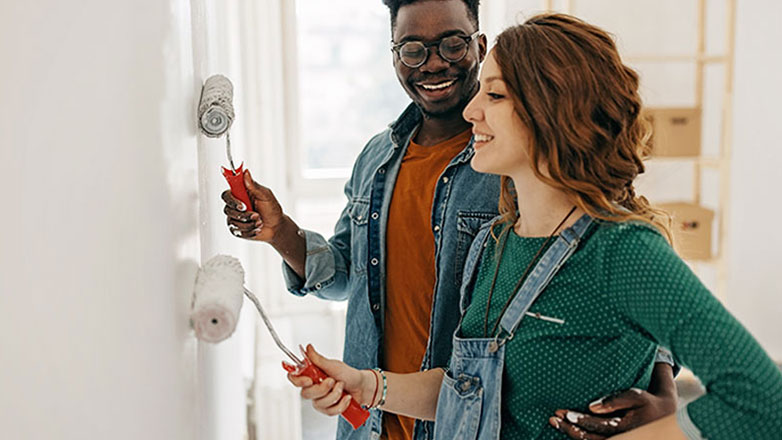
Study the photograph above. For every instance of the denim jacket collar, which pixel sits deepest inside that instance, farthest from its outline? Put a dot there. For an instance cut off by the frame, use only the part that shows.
(405, 126)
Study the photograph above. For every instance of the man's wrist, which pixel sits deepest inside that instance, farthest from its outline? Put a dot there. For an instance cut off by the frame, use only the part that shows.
(285, 235)
(663, 384)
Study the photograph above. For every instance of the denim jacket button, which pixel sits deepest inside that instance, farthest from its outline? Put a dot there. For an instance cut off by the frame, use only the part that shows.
(376, 307)
(436, 228)
(318, 286)
(374, 261)
(445, 179)
(375, 216)
(381, 171)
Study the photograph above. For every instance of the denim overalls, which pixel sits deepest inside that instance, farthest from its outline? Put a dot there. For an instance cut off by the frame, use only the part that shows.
(469, 406)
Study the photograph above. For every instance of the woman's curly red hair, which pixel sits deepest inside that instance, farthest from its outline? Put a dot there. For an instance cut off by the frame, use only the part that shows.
(582, 107)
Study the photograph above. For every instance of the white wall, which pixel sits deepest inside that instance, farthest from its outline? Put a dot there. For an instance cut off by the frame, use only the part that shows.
(755, 239)
(99, 232)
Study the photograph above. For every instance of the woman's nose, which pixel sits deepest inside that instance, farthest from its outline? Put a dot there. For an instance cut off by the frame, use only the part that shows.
(472, 111)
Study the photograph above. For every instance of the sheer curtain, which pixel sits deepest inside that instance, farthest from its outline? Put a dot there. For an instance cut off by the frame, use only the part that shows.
(259, 57)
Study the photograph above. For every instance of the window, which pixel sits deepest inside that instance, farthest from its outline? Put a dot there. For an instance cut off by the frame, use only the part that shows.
(345, 92)
(347, 87)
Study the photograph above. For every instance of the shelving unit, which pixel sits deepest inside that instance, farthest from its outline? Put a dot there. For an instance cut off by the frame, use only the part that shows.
(720, 163)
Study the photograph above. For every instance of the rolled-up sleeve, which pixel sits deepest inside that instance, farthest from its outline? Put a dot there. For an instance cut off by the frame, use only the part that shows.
(327, 264)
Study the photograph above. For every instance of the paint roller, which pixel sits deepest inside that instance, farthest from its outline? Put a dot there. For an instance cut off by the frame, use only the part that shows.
(215, 116)
(217, 300)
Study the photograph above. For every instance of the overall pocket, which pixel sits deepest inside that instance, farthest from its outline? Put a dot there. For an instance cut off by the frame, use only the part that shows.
(458, 408)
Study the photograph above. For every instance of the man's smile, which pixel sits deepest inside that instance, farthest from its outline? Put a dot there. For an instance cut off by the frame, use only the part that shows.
(437, 89)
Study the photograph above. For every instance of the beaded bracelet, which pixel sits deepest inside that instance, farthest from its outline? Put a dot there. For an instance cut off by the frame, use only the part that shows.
(382, 400)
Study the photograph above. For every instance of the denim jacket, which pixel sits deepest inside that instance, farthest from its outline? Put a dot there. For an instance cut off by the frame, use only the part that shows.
(351, 264)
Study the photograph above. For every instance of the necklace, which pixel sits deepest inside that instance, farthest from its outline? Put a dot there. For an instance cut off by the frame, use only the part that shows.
(521, 280)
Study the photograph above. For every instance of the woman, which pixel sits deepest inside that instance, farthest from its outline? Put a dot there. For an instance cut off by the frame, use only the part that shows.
(567, 295)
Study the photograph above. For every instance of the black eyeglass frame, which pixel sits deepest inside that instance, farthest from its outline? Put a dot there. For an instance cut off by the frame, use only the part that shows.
(395, 47)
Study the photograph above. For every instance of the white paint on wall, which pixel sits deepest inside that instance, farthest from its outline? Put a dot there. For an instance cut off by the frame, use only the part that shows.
(755, 291)
(99, 233)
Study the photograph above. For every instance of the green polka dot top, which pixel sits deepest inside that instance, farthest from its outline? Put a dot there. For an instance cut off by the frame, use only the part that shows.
(600, 320)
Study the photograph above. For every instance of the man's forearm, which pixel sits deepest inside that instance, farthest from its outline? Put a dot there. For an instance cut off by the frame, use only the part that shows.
(291, 246)
(666, 428)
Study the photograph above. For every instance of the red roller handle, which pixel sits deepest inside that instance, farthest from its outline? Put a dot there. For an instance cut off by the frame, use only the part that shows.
(236, 182)
(354, 414)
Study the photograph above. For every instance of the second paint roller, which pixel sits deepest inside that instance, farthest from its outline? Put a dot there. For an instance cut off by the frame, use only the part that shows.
(215, 116)
(217, 299)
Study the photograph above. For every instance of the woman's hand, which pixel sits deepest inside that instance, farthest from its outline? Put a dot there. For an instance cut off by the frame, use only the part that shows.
(327, 396)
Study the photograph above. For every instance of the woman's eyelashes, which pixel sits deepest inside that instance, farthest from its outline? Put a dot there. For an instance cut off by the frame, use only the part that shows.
(494, 96)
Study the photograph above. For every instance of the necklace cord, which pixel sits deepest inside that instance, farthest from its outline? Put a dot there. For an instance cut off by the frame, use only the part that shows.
(521, 280)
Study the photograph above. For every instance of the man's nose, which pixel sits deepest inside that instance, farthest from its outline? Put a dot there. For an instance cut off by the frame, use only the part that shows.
(434, 62)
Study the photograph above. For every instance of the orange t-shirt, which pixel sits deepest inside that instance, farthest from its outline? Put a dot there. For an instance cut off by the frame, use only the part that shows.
(410, 265)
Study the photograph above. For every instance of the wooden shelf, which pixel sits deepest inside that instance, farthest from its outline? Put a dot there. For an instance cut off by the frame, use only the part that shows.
(704, 161)
(705, 59)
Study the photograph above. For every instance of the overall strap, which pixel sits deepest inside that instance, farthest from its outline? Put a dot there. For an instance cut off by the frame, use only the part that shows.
(541, 275)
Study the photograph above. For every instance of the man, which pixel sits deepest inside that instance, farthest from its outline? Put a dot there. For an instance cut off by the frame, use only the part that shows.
(414, 205)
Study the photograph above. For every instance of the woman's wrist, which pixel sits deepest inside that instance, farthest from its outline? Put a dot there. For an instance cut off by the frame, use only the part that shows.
(369, 387)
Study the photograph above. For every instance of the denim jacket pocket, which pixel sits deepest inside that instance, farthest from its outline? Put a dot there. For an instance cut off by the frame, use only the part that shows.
(359, 208)
(359, 219)
(459, 408)
(467, 225)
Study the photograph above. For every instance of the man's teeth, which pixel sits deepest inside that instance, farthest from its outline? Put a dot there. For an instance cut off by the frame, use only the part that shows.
(438, 86)
(483, 138)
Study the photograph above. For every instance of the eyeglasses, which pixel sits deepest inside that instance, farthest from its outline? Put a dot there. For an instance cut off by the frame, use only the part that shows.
(414, 54)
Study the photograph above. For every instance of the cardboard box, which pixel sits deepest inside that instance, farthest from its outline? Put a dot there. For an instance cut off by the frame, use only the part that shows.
(676, 132)
(692, 228)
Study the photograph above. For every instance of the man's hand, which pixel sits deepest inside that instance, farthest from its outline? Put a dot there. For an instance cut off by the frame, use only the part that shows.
(258, 222)
(621, 412)
(265, 221)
